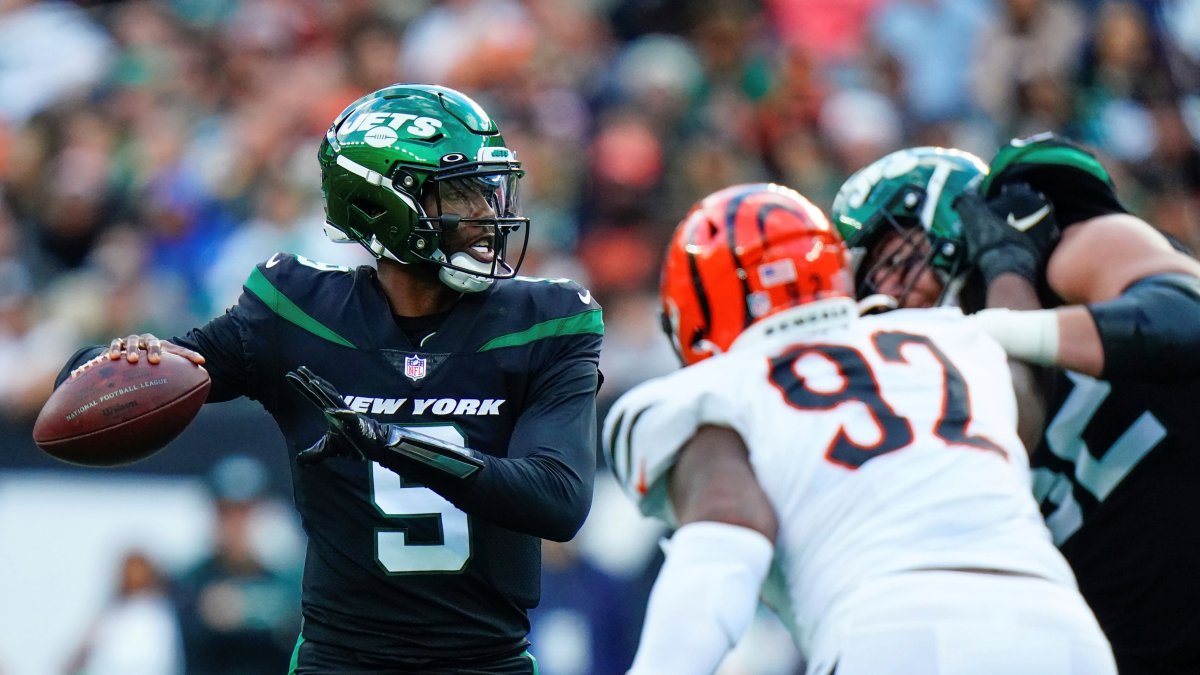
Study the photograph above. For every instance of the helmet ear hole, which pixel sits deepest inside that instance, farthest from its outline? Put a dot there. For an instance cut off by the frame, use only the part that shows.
(369, 209)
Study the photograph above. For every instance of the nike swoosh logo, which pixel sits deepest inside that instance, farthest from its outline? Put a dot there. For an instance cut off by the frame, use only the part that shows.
(1030, 140)
(275, 260)
(585, 297)
(1023, 224)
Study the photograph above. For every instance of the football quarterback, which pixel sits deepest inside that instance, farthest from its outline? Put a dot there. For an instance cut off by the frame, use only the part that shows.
(439, 409)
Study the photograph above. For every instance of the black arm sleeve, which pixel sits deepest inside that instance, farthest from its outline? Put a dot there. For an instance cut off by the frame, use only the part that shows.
(544, 487)
(1151, 332)
(225, 355)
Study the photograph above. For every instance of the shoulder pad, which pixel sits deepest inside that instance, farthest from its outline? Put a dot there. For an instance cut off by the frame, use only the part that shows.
(541, 308)
(293, 288)
(553, 296)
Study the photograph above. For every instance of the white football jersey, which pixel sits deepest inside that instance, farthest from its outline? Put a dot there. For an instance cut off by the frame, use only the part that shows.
(886, 445)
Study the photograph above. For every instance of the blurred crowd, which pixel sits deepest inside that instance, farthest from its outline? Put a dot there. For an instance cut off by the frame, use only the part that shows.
(152, 151)
(234, 611)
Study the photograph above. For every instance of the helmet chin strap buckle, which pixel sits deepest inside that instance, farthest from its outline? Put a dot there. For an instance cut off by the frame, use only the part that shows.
(460, 279)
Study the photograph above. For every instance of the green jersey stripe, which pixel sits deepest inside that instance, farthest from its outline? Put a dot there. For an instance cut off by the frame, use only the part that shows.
(295, 662)
(591, 321)
(289, 311)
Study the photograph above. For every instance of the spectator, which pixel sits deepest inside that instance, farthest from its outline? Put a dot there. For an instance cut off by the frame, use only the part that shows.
(137, 633)
(1121, 80)
(1024, 62)
(28, 343)
(238, 615)
(583, 621)
(49, 50)
(932, 42)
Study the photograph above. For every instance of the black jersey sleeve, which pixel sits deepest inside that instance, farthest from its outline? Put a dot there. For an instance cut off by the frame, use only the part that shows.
(544, 486)
(1151, 331)
(219, 341)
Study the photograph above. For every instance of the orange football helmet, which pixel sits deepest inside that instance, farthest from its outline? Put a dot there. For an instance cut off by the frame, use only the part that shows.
(742, 254)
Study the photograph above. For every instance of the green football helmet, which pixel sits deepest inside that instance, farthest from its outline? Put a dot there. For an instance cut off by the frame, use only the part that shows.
(912, 192)
(404, 166)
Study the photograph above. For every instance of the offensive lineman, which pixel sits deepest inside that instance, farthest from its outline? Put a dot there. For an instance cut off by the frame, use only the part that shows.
(423, 548)
(863, 474)
(1115, 467)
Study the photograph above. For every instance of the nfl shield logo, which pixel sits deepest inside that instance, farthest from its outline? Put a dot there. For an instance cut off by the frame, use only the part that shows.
(414, 367)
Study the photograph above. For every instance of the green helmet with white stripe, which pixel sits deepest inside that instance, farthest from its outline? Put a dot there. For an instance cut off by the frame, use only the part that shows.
(395, 161)
(911, 191)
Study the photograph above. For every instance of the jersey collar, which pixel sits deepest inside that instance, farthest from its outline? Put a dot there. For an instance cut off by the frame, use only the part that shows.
(809, 319)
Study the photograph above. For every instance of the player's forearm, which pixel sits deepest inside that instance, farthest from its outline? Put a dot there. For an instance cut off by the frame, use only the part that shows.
(1012, 291)
(543, 487)
(1079, 346)
(704, 598)
(1150, 332)
(538, 495)
(1065, 337)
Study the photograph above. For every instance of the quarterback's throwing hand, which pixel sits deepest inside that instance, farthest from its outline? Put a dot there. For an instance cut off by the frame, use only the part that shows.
(1012, 232)
(354, 435)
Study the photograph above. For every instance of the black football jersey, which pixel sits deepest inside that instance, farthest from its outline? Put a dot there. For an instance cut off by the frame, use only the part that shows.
(1116, 475)
(393, 568)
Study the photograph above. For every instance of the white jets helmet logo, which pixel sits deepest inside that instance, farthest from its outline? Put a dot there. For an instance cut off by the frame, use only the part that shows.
(377, 127)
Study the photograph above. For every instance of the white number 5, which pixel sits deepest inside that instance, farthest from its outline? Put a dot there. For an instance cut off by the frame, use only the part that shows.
(392, 498)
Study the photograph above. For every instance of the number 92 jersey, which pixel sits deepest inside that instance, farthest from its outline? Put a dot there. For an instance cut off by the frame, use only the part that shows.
(885, 446)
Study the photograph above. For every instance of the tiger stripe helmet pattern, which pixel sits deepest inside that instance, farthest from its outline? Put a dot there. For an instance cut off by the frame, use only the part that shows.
(742, 254)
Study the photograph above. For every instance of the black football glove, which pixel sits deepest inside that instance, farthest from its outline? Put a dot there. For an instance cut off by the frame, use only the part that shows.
(1012, 232)
(356, 436)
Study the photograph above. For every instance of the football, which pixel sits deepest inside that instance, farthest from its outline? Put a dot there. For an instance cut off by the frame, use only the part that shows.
(116, 412)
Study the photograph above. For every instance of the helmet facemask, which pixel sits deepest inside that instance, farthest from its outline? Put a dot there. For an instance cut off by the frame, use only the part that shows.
(897, 216)
(458, 201)
(901, 250)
